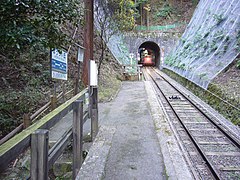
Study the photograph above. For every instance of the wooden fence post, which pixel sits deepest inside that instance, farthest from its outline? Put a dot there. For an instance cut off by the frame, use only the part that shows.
(64, 92)
(94, 112)
(39, 155)
(53, 102)
(77, 136)
(26, 120)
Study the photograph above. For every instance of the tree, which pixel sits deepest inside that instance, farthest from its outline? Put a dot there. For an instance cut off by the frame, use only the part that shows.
(112, 16)
(26, 23)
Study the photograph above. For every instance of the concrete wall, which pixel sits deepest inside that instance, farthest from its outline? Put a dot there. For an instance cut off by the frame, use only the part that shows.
(165, 40)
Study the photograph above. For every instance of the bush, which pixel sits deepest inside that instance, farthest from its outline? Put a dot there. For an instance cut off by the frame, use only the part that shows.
(165, 12)
(25, 23)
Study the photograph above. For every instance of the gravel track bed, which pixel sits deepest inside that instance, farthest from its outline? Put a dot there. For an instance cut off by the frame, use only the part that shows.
(197, 160)
(204, 173)
(185, 138)
(203, 131)
(220, 148)
(197, 118)
(190, 147)
(200, 126)
(226, 160)
(231, 175)
(182, 133)
(212, 139)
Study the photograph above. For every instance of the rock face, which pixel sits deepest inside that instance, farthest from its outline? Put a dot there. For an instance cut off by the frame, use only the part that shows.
(210, 42)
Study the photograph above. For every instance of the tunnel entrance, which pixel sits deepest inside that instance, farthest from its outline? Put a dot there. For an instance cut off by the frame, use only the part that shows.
(149, 53)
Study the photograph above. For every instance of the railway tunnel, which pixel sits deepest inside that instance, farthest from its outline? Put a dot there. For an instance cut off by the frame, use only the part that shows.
(149, 54)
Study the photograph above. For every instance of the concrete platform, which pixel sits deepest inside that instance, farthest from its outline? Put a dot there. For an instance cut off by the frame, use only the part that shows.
(135, 140)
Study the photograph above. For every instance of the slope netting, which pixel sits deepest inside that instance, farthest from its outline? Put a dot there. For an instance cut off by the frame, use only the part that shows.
(210, 42)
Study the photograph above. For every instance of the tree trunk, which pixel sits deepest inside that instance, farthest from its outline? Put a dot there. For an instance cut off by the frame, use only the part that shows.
(103, 47)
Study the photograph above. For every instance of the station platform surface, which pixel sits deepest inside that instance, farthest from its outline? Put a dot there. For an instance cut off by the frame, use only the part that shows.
(134, 140)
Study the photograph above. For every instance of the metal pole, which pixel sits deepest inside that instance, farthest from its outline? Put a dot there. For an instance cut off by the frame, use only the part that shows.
(77, 136)
(39, 155)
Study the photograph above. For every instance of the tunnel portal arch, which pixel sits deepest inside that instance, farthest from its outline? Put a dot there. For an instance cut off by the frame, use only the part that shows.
(154, 47)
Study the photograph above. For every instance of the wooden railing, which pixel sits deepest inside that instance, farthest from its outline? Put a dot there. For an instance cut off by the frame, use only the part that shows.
(42, 158)
(29, 119)
(39, 130)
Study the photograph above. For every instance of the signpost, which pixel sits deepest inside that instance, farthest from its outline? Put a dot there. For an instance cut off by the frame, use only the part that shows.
(131, 55)
(59, 64)
(58, 70)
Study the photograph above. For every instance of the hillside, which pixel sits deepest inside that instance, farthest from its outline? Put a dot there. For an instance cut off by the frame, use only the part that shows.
(26, 85)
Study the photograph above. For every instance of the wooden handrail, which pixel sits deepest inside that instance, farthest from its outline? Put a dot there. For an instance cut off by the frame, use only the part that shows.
(11, 134)
(16, 145)
(73, 133)
(33, 118)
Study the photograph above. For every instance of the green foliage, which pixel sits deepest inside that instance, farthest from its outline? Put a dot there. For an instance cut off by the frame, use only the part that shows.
(197, 38)
(206, 34)
(15, 103)
(183, 40)
(203, 76)
(141, 1)
(124, 14)
(188, 45)
(237, 47)
(219, 18)
(26, 23)
(195, 2)
(218, 36)
(170, 60)
(165, 11)
(238, 64)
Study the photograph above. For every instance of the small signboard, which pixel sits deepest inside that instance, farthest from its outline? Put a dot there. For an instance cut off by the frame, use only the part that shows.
(93, 73)
(80, 54)
(59, 64)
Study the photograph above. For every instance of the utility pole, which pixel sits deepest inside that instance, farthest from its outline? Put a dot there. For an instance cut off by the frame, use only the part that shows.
(88, 39)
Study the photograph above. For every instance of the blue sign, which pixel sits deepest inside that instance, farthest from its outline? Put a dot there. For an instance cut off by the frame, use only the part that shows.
(59, 64)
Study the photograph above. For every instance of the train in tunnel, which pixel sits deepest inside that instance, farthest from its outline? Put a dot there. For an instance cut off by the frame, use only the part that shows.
(149, 54)
(147, 57)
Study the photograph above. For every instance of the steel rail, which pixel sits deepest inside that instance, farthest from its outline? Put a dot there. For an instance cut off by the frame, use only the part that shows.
(213, 170)
(234, 140)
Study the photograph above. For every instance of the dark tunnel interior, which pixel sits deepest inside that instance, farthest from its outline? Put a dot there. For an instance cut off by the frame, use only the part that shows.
(149, 54)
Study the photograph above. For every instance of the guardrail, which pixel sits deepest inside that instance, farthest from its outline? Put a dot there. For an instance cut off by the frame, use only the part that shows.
(36, 136)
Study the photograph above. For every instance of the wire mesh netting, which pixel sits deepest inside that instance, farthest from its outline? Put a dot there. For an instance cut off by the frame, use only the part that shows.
(210, 42)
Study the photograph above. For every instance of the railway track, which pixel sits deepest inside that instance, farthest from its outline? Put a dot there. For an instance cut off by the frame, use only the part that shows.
(213, 151)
